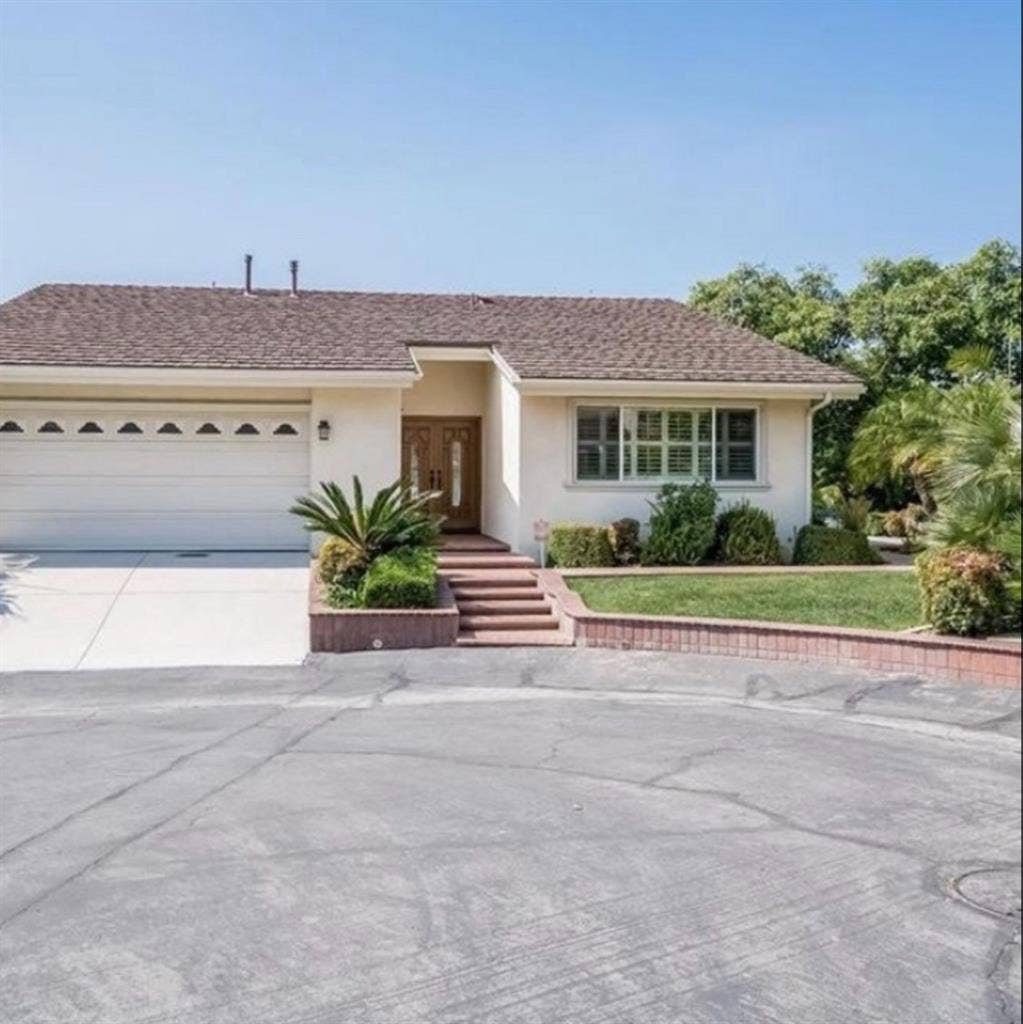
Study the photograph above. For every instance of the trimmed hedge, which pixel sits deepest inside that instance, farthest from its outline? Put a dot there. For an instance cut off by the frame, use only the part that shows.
(747, 535)
(681, 525)
(964, 591)
(624, 537)
(402, 579)
(829, 545)
(580, 545)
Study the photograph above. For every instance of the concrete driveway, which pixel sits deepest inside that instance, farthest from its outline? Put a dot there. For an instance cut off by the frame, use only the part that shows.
(508, 836)
(138, 609)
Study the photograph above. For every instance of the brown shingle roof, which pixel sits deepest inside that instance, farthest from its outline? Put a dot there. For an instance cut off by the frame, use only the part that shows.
(594, 338)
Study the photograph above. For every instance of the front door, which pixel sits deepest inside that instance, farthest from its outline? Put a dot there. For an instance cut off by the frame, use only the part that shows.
(441, 454)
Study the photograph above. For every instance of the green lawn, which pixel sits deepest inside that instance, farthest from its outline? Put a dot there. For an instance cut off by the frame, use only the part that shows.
(873, 600)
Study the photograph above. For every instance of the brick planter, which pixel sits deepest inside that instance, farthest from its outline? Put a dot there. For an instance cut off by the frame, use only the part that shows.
(356, 629)
(953, 659)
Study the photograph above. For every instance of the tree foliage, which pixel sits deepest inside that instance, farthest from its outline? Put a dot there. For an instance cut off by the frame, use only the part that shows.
(897, 329)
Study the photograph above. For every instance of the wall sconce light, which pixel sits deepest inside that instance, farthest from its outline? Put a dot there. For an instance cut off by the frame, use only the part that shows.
(323, 430)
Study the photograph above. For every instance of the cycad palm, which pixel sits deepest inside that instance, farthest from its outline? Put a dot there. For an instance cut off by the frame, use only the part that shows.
(396, 518)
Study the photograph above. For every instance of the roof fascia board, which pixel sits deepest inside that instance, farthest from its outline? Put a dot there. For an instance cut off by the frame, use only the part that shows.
(198, 377)
(684, 389)
(450, 353)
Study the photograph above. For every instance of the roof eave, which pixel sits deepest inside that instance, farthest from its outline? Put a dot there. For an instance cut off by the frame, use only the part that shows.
(203, 377)
(583, 387)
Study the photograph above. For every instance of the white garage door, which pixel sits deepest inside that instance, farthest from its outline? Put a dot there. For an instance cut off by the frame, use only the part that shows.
(120, 477)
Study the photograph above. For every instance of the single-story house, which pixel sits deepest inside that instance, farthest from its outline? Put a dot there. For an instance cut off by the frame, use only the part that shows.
(178, 417)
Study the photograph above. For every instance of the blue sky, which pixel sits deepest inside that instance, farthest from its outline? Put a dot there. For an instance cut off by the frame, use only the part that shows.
(532, 148)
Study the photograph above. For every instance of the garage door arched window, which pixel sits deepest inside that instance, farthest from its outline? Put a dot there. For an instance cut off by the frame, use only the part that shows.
(131, 427)
(169, 428)
(10, 427)
(208, 428)
(90, 427)
(51, 427)
(246, 430)
(285, 430)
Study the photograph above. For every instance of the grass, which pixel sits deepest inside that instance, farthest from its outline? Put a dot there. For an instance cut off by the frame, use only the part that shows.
(877, 600)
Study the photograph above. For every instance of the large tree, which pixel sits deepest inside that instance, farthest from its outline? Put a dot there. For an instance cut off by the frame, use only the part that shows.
(898, 327)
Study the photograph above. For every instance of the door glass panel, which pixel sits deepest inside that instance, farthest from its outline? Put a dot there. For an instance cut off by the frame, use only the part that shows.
(456, 473)
(413, 467)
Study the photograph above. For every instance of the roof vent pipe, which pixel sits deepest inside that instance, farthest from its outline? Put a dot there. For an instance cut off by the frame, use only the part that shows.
(248, 274)
(293, 267)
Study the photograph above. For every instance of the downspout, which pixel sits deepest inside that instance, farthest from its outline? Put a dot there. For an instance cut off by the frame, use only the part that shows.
(815, 408)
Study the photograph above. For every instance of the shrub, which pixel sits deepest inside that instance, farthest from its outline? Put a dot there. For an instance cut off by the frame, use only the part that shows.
(906, 522)
(875, 525)
(828, 545)
(853, 514)
(577, 545)
(624, 537)
(402, 579)
(964, 591)
(338, 560)
(681, 525)
(747, 536)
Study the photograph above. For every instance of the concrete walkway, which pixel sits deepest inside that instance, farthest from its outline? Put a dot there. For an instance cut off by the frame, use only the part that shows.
(508, 836)
(81, 610)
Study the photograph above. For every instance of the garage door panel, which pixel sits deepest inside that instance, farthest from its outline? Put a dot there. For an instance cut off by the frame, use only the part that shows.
(25, 459)
(110, 492)
(151, 531)
(141, 494)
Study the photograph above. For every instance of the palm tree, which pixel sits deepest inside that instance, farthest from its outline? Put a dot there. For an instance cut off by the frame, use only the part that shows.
(977, 483)
(901, 436)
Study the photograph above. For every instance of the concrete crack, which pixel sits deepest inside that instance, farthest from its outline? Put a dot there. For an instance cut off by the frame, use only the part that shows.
(906, 682)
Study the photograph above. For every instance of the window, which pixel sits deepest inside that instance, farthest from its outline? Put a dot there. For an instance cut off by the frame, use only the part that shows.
(636, 443)
(10, 427)
(169, 428)
(735, 455)
(246, 430)
(286, 430)
(90, 427)
(51, 427)
(131, 427)
(597, 443)
(208, 428)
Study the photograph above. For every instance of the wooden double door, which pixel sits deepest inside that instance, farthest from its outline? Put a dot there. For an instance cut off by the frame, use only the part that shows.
(443, 454)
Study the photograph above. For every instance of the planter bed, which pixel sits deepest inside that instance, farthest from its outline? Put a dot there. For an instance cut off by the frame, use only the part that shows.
(341, 630)
(989, 662)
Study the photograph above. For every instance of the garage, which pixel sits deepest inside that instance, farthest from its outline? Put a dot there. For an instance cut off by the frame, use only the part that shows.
(145, 476)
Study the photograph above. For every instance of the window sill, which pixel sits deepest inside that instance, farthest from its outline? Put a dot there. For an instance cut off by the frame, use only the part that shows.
(653, 485)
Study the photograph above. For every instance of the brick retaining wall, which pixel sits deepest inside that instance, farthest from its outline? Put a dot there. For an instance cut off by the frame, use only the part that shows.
(938, 657)
(341, 630)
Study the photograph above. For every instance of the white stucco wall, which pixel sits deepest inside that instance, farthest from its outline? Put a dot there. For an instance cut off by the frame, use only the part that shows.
(501, 460)
(448, 389)
(365, 436)
(547, 489)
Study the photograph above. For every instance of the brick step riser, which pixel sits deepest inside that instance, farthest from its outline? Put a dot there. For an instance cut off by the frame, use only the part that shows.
(489, 593)
(492, 547)
(504, 607)
(523, 638)
(463, 562)
(507, 622)
(464, 579)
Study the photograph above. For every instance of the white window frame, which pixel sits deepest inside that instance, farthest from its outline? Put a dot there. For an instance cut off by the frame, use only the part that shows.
(647, 483)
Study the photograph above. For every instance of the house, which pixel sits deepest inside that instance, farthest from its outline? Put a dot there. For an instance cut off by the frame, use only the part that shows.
(176, 418)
